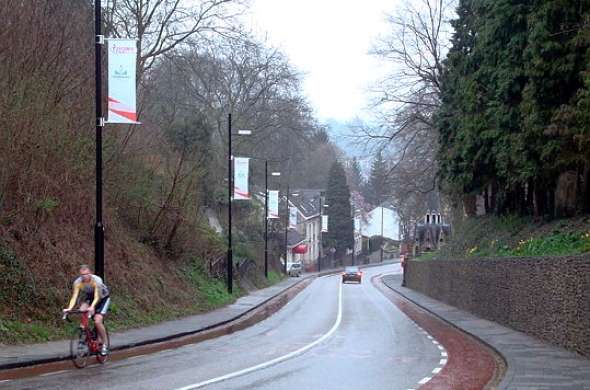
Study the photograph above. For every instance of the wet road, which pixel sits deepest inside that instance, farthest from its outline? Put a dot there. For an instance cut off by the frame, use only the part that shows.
(330, 336)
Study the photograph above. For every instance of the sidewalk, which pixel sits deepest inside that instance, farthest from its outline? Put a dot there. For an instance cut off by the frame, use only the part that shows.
(532, 364)
(12, 356)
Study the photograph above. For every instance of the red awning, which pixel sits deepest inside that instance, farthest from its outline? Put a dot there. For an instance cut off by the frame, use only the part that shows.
(300, 249)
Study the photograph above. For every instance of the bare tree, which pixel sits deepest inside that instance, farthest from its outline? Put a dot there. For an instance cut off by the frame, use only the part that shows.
(407, 99)
(162, 25)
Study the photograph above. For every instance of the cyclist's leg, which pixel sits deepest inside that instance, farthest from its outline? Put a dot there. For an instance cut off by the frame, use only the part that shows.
(101, 310)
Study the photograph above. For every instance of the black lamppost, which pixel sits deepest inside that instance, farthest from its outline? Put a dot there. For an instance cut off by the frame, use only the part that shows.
(99, 226)
(229, 264)
(322, 206)
(286, 229)
(266, 215)
(382, 238)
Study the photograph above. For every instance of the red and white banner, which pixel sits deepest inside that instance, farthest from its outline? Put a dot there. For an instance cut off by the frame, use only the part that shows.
(122, 57)
(273, 204)
(324, 223)
(241, 178)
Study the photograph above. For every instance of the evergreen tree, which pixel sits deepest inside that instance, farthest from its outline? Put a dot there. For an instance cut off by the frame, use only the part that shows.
(355, 177)
(379, 187)
(340, 224)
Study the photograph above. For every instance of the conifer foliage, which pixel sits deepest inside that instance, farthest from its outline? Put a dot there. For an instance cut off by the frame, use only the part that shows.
(513, 123)
(379, 187)
(340, 223)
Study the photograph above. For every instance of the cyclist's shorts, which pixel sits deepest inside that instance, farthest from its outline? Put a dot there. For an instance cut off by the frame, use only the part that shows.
(102, 306)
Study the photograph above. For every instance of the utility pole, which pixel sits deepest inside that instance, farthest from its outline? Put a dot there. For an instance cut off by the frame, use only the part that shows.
(382, 238)
(229, 265)
(266, 219)
(287, 226)
(99, 226)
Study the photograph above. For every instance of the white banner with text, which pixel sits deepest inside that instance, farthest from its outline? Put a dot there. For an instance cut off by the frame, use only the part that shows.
(241, 178)
(121, 68)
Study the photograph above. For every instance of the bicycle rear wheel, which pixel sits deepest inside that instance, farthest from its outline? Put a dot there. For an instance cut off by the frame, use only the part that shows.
(79, 349)
(102, 359)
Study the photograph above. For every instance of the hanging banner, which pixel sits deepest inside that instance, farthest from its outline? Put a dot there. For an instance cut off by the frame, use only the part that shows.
(273, 204)
(324, 223)
(357, 224)
(292, 217)
(122, 57)
(241, 178)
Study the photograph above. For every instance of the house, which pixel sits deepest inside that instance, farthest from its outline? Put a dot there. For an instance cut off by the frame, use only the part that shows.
(303, 242)
(430, 233)
(382, 221)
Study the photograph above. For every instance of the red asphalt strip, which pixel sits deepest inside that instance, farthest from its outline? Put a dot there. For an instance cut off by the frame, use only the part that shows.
(470, 365)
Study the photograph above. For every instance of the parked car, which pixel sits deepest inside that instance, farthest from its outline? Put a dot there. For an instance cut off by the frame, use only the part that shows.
(295, 268)
(352, 274)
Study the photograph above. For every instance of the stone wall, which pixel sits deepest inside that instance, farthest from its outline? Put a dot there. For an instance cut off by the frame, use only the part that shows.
(548, 298)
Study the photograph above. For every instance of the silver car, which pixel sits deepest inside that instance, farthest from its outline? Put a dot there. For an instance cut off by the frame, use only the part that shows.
(295, 269)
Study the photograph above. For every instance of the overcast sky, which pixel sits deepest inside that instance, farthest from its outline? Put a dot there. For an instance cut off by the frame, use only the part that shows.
(328, 40)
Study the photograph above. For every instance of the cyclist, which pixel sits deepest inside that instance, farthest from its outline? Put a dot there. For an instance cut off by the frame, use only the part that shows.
(94, 298)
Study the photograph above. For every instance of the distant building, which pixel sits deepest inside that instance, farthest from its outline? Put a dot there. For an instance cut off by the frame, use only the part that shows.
(431, 233)
(303, 243)
(382, 221)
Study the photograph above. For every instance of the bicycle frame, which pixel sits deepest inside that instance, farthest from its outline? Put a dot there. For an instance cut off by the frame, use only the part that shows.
(92, 341)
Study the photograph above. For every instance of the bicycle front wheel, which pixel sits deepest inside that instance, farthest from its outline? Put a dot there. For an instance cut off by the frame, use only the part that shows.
(79, 349)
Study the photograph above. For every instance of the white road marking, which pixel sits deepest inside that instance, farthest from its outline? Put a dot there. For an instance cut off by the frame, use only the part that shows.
(276, 360)
(424, 380)
(440, 347)
(135, 357)
(53, 373)
(444, 354)
(5, 380)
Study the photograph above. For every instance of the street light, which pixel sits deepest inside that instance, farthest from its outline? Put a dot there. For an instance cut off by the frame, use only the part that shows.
(322, 206)
(382, 239)
(229, 265)
(266, 215)
(99, 226)
(266, 161)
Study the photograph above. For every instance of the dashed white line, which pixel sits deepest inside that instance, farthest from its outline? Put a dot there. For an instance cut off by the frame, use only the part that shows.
(5, 380)
(135, 357)
(440, 347)
(436, 370)
(444, 354)
(53, 373)
(424, 380)
(443, 362)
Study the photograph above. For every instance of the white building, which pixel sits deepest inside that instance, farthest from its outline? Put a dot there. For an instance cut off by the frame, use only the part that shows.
(381, 221)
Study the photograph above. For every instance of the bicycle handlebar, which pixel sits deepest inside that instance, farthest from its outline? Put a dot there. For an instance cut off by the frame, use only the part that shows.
(67, 313)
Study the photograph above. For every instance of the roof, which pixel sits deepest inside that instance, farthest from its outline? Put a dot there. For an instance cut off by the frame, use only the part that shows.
(306, 201)
(294, 238)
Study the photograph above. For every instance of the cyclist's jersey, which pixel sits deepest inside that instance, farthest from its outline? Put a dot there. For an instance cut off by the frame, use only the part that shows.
(94, 288)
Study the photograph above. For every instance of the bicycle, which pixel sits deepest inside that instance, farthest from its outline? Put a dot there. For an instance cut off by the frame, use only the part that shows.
(84, 341)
